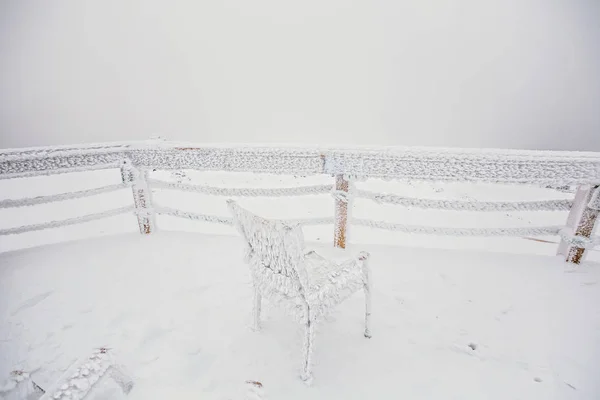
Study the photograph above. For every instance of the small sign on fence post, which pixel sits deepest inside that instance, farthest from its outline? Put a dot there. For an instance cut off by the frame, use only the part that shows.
(581, 221)
(341, 211)
(142, 197)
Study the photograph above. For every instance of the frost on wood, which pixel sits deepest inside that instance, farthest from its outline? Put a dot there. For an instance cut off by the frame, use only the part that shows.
(135, 159)
(62, 196)
(228, 221)
(594, 203)
(498, 166)
(581, 242)
(80, 380)
(433, 230)
(577, 235)
(142, 196)
(309, 221)
(458, 205)
(562, 188)
(67, 222)
(192, 216)
(242, 192)
(271, 160)
(307, 285)
(17, 164)
(455, 165)
(584, 229)
(342, 206)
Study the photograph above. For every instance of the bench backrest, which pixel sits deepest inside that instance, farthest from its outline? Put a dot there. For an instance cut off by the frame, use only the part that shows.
(275, 252)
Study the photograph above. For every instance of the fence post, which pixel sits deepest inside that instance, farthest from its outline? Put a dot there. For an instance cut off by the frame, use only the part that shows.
(341, 211)
(581, 221)
(142, 196)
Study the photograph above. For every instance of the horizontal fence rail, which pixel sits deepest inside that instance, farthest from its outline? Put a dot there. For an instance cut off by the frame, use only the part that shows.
(62, 196)
(172, 212)
(458, 205)
(228, 221)
(68, 221)
(14, 164)
(434, 230)
(449, 165)
(136, 159)
(242, 192)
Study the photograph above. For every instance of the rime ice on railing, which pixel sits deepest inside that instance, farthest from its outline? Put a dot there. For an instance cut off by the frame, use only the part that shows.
(228, 221)
(343, 204)
(457, 205)
(495, 166)
(554, 169)
(466, 232)
(69, 221)
(577, 236)
(142, 196)
(45, 161)
(242, 192)
(62, 196)
(473, 165)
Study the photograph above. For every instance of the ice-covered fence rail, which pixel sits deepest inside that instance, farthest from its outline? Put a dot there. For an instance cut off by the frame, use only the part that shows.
(542, 168)
(228, 221)
(459, 205)
(434, 230)
(463, 165)
(581, 242)
(31, 201)
(497, 166)
(69, 221)
(173, 212)
(16, 163)
(243, 192)
(289, 161)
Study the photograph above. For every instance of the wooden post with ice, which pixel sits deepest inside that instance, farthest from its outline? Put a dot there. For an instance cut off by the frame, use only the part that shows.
(581, 222)
(142, 197)
(341, 211)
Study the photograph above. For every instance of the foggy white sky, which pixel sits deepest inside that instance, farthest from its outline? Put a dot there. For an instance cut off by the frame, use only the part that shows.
(471, 73)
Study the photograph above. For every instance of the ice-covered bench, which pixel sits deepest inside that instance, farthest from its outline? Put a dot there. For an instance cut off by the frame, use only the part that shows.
(308, 285)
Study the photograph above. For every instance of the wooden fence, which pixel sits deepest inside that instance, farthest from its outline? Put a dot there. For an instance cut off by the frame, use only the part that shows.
(345, 165)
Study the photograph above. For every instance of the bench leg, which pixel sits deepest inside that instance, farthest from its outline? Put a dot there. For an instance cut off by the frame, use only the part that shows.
(309, 338)
(256, 310)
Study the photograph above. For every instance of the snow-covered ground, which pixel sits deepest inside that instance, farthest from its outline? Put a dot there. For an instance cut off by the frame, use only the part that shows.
(177, 306)
(450, 320)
